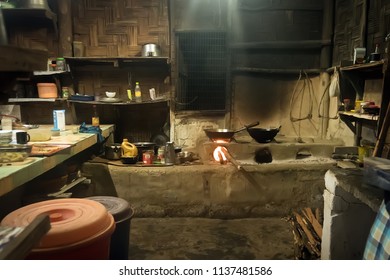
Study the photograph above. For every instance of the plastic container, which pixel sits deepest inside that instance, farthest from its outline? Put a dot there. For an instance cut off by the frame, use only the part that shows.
(137, 93)
(14, 153)
(60, 64)
(47, 90)
(122, 213)
(81, 229)
(128, 149)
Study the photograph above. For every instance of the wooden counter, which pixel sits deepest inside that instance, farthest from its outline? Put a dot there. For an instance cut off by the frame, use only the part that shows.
(16, 174)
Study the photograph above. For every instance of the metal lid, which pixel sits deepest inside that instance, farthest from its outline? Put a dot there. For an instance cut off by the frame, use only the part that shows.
(72, 220)
(116, 206)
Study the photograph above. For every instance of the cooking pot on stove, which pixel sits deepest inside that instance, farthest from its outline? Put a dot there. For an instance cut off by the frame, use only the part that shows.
(113, 151)
(263, 135)
(225, 135)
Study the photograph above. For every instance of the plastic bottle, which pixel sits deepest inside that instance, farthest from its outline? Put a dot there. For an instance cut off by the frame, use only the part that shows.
(95, 117)
(137, 93)
(128, 149)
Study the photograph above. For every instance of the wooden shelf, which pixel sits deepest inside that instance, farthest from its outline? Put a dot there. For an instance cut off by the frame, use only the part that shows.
(28, 17)
(22, 60)
(25, 100)
(120, 103)
(365, 68)
(49, 73)
(117, 61)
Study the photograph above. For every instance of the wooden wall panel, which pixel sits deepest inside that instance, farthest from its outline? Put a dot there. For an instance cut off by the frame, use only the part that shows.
(120, 28)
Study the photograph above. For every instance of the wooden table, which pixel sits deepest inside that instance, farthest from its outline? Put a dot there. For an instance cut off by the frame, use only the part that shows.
(16, 174)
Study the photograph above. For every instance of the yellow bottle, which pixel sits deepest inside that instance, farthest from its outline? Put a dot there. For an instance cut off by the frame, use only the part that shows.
(95, 117)
(128, 149)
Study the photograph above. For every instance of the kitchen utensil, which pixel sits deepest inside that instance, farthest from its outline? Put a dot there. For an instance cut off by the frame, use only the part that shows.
(263, 135)
(22, 137)
(34, 4)
(113, 151)
(144, 146)
(13, 153)
(225, 135)
(170, 156)
(150, 50)
(185, 156)
(110, 94)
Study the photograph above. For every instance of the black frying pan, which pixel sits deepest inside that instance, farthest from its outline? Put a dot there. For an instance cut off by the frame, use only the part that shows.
(263, 135)
(225, 135)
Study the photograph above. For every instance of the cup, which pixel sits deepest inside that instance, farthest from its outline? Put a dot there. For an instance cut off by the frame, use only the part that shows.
(22, 137)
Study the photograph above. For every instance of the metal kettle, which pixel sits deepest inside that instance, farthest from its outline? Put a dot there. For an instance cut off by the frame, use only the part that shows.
(170, 156)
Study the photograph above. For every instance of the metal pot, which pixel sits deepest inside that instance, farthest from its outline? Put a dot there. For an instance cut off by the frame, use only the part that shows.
(113, 151)
(150, 50)
(263, 135)
(225, 135)
(144, 146)
(34, 4)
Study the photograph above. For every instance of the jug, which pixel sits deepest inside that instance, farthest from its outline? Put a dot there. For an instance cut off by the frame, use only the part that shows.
(170, 156)
(128, 149)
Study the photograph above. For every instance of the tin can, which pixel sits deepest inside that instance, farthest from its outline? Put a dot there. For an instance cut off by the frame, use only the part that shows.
(161, 155)
(147, 157)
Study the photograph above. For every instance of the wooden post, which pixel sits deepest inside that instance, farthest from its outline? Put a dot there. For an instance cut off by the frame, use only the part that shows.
(65, 27)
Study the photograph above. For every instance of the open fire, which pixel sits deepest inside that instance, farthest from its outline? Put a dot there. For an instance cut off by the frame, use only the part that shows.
(219, 154)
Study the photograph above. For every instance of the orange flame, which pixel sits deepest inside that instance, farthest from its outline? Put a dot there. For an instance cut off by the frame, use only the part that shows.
(219, 154)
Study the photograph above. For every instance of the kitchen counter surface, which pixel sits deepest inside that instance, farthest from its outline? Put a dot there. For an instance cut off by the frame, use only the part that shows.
(351, 181)
(15, 174)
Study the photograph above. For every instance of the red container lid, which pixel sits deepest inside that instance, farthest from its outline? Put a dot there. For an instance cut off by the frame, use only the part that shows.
(73, 220)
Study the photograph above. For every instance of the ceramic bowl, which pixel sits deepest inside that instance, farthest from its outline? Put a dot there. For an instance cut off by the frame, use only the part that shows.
(110, 94)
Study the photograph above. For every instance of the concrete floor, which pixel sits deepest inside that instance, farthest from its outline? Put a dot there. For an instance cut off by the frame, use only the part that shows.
(210, 239)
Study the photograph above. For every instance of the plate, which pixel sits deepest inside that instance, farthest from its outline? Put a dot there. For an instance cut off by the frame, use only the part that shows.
(110, 100)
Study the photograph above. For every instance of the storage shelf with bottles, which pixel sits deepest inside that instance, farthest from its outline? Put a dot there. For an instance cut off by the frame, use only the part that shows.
(118, 62)
(121, 103)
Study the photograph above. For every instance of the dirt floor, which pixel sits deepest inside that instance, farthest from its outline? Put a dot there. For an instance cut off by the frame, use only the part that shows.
(210, 239)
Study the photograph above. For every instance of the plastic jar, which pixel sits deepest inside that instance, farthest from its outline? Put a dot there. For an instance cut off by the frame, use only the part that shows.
(60, 64)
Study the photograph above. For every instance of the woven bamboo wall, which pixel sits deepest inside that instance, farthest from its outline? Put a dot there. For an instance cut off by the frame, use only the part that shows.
(353, 30)
(120, 27)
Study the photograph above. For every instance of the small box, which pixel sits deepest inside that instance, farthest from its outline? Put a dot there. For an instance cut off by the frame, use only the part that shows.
(359, 55)
(59, 119)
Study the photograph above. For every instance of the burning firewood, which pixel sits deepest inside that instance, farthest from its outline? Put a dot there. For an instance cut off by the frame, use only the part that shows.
(307, 232)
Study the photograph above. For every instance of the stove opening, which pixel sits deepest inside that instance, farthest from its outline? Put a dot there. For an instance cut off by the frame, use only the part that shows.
(219, 154)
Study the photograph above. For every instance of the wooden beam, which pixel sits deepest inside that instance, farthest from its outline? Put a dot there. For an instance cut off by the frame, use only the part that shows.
(65, 27)
(299, 45)
(20, 246)
(275, 71)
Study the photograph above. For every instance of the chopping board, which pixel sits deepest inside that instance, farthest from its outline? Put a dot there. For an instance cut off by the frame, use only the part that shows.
(46, 149)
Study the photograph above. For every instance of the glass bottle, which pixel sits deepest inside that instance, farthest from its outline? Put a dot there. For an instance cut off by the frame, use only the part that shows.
(137, 93)
(95, 117)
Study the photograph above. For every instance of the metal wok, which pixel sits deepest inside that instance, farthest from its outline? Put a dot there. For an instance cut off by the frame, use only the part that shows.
(263, 135)
(225, 135)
